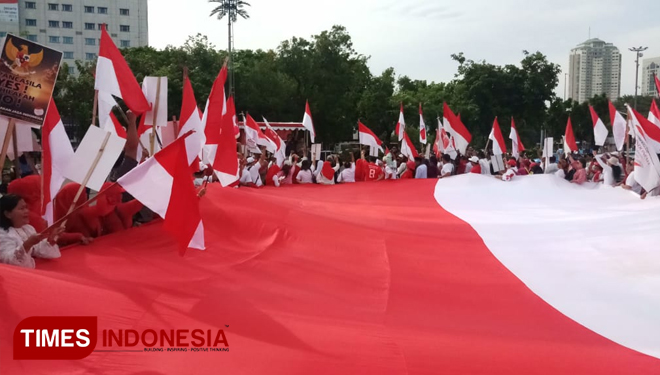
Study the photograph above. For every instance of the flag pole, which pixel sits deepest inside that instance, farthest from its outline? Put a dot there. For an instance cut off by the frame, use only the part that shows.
(5, 144)
(83, 185)
(95, 107)
(17, 164)
(175, 124)
(152, 136)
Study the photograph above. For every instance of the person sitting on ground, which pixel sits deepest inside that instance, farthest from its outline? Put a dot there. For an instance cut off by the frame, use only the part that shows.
(360, 166)
(462, 164)
(476, 166)
(612, 172)
(632, 184)
(409, 173)
(552, 167)
(273, 170)
(484, 163)
(19, 241)
(115, 215)
(511, 170)
(535, 168)
(570, 170)
(447, 166)
(284, 176)
(325, 174)
(391, 172)
(420, 168)
(305, 175)
(580, 176)
(524, 165)
(348, 174)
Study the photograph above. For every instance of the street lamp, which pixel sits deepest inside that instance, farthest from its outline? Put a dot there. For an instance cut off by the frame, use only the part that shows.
(638, 51)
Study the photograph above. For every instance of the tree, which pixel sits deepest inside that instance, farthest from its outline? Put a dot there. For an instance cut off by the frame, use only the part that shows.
(230, 9)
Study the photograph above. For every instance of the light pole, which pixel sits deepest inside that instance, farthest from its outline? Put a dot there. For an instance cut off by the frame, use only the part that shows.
(638, 51)
(565, 84)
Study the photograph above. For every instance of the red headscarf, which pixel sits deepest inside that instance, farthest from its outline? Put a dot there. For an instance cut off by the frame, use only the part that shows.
(328, 172)
(272, 172)
(29, 188)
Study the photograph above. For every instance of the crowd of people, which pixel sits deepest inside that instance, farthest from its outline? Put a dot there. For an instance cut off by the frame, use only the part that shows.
(23, 234)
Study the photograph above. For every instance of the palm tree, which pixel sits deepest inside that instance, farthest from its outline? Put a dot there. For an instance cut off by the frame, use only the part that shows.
(230, 9)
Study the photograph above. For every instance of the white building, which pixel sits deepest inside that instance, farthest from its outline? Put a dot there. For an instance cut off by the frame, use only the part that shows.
(594, 69)
(650, 67)
(74, 26)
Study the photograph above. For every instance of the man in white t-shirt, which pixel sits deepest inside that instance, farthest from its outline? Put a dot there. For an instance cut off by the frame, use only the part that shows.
(447, 166)
(484, 164)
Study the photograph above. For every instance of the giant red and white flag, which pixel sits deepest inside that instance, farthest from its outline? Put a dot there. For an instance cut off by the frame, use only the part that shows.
(190, 120)
(407, 148)
(569, 138)
(619, 126)
(654, 114)
(368, 138)
(647, 165)
(600, 131)
(308, 123)
(422, 126)
(113, 76)
(516, 144)
(499, 146)
(280, 146)
(457, 129)
(163, 184)
(400, 125)
(56, 153)
(255, 137)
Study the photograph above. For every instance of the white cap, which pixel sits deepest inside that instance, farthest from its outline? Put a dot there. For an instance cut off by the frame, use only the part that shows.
(474, 159)
(250, 160)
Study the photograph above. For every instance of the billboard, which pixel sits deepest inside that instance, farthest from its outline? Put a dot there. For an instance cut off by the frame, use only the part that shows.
(9, 11)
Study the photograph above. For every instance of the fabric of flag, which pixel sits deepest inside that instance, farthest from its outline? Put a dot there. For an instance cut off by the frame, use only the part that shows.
(407, 148)
(280, 146)
(657, 84)
(569, 138)
(255, 137)
(647, 165)
(368, 138)
(190, 120)
(113, 125)
(654, 114)
(400, 125)
(56, 153)
(456, 129)
(651, 128)
(463, 275)
(422, 127)
(216, 109)
(231, 112)
(516, 144)
(600, 131)
(499, 146)
(164, 184)
(105, 103)
(619, 126)
(308, 123)
(113, 76)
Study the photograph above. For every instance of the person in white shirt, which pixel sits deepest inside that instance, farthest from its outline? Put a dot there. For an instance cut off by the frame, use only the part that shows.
(421, 170)
(246, 177)
(632, 185)
(347, 175)
(329, 168)
(402, 165)
(19, 241)
(612, 172)
(552, 166)
(447, 167)
(305, 175)
(484, 163)
(511, 171)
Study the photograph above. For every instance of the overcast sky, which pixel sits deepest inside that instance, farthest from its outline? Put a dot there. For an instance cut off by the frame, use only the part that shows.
(416, 37)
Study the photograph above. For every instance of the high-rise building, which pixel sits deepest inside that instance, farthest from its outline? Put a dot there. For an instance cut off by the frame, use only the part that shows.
(74, 26)
(650, 67)
(594, 69)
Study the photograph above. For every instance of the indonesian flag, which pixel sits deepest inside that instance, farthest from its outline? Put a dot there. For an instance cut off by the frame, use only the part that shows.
(113, 76)
(459, 132)
(407, 148)
(619, 126)
(654, 114)
(113, 125)
(516, 144)
(401, 125)
(56, 153)
(499, 146)
(647, 165)
(105, 103)
(280, 146)
(231, 112)
(220, 151)
(657, 84)
(422, 126)
(255, 137)
(368, 138)
(308, 123)
(190, 120)
(163, 184)
(569, 138)
(600, 131)
(651, 130)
